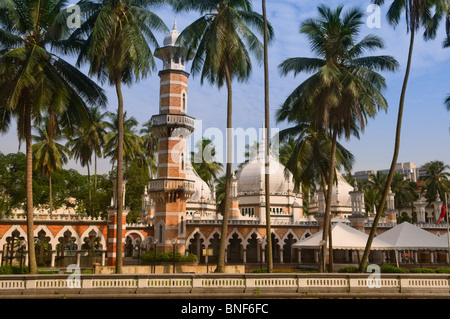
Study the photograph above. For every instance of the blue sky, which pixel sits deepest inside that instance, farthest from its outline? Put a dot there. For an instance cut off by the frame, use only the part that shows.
(425, 131)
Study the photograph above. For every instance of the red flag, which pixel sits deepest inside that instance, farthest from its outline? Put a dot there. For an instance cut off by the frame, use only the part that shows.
(442, 213)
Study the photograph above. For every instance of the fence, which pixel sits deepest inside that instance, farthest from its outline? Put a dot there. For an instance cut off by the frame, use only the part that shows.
(230, 285)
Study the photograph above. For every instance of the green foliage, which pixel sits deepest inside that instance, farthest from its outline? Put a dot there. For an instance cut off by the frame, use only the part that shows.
(138, 177)
(168, 257)
(65, 183)
(13, 270)
(392, 269)
(423, 270)
(349, 269)
(442, 270)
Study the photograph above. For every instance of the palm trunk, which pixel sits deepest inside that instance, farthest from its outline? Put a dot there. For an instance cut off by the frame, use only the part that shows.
(29, 190)
(224, 233)
(380, 210)
(326, 220)
(95, 172)
(269, 253)
(50, 191)
(119, 239)
(89, 190)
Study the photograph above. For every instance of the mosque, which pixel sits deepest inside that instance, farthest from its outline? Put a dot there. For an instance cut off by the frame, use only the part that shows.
(179, 210)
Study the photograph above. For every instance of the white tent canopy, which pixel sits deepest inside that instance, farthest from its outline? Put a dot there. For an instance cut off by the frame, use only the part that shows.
(343, 237)
(407, 236)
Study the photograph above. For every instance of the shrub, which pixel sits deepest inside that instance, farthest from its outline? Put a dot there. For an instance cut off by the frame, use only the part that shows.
(442, 270)
(13, 270)
(168, 257)
(349, 269)
(392, 269)
(260, 271)
(422, 270)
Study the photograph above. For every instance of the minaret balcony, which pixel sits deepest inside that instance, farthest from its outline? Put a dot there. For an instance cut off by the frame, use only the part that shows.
(164, 124)
(170, 185)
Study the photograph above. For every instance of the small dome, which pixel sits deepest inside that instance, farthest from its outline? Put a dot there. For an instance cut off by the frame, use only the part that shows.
(201, 187)
(251, 178)
(172, 36)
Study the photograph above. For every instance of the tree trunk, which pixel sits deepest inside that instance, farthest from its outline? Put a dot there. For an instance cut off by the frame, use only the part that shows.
(29, 190)
(380, 210)
(119, 183)
(95, 172)
(224, 233)
(328, 198)
(89, 189)
(50, 191)
(269, 253)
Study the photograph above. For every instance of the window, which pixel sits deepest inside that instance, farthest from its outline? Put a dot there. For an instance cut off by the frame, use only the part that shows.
(182, 161)
(184, 101)
(160, 233)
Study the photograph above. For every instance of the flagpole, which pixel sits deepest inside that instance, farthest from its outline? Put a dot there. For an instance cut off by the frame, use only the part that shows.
(448, 232)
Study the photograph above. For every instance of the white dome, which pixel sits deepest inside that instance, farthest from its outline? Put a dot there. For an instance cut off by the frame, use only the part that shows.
(172, 36)
(341, 192)
(251, 178)
(201, 187)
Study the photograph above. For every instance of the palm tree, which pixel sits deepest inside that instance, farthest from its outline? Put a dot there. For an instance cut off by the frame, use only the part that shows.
(82, 150)
(132, 142)
(309, 153)
(204, 162)
(33, 79)
(345, 88)
(417, 14)
(48, 155)
(150, 147)
(222, 39)
(377, 181)
(436, 180)
(404, 190)
(97, 132)
(310, 158)
(115, 41)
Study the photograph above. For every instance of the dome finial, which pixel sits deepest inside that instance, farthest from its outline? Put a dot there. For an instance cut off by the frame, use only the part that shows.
(175, 24)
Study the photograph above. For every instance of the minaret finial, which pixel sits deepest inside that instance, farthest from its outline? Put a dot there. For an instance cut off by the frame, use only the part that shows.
(175, 24)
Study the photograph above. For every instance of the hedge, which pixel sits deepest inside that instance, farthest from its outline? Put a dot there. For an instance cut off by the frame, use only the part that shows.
(13, 270)
(168, 257)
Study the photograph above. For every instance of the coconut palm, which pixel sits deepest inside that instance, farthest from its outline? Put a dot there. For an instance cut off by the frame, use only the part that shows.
(310, 159)
(132, 142)
(48, 154)
(417, 14)
(435, 181)
(204, 161)
(309, 156)
(97, 131)
(222, 40)
(150, 147)
(377, 181)
(32, 78)
(404, 189)
(345, 87)
(82, 150)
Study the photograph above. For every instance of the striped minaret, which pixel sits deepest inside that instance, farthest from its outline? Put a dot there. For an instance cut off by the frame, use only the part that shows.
(172, 126)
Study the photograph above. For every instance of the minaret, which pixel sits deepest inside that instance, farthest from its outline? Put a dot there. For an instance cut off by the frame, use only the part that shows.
(172, 126)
